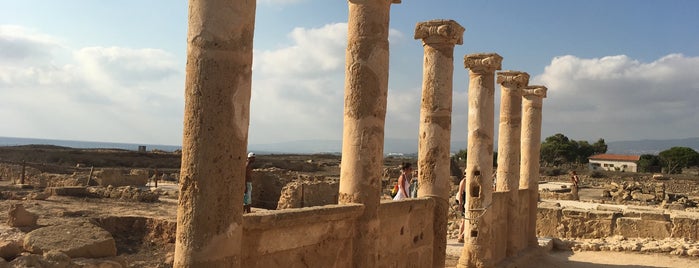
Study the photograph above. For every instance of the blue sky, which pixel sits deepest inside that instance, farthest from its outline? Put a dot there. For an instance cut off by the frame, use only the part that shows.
(114, 70)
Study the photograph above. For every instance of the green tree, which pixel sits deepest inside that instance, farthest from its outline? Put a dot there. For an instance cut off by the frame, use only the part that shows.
(600, 147)
(461, 155)
(676, 158)
(558, 149)
(649, 163)
(584, 150)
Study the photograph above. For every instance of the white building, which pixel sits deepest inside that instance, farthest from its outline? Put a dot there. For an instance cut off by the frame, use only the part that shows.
(614, 162)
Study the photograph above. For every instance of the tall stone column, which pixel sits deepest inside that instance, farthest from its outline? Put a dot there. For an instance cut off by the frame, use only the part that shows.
(531, 145)
(438, 38)
(511, 84)
(478, 246)
(216, 120)
(366, 89)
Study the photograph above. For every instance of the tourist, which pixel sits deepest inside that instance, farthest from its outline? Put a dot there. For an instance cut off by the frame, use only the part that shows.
(460, 202)
(404, 181)
(247, 196)
(413, 185)
(574, 178)
(576, 181)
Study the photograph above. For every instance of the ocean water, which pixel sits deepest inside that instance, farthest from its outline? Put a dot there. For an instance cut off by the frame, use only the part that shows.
(12, 141)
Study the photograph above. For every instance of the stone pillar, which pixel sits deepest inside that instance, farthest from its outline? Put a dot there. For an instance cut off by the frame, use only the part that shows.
(478, 246)
(438, 38)
(216, 120)
(511, 84)
(366, 89)
(531, 145)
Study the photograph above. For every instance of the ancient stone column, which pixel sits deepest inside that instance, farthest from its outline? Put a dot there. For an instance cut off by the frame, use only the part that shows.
(511, 84)
(216, 120)
(531, 145)
(366, 89)
(478, 250)
(438, 38)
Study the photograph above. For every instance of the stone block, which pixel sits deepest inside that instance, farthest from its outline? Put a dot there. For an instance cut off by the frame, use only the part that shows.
(634, 227)
(548, 221)
(575, 213)
(578, 223)
(546, 243)
(76, 191)
(685, 227)
(9, 249)
(602, 215)
(20, 217)
(655, 216)
(74, 239)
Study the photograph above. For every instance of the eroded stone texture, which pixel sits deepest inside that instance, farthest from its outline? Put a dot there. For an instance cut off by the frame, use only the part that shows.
(366, 89)
(509, 132)
(438, 38)
(18, 216)
(216, 119)
(478, 246)
(532, 101)
(74, 239)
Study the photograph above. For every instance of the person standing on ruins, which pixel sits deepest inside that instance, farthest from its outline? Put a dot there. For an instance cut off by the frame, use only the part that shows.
(247, 196)
(576, 181)
(404, 181)
(460, 202)
(413, 185)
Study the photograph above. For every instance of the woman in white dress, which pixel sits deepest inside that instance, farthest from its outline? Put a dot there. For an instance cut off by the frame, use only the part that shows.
(404, 181)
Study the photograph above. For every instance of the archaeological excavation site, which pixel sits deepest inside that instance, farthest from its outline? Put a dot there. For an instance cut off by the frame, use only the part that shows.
(67, 207)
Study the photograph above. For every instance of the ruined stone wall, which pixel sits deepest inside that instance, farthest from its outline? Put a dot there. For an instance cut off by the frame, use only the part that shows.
(13, 172)
(555, 221)
(300, 194)
(316, 237)
(405, 235)
(117, 177)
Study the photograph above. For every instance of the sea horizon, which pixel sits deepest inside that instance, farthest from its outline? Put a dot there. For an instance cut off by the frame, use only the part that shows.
(16, 141)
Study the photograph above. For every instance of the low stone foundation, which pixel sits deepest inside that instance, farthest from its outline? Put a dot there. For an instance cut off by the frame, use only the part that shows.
(604, 221)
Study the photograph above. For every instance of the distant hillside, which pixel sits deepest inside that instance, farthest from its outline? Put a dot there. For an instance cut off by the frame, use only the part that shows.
(408, 146)
(650, 146)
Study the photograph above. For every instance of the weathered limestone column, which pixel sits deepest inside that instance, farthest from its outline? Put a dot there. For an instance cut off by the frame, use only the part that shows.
(438, 38)
(366, 89)
(478, 249)
(531, 145)
(511, 84)
(216, 120)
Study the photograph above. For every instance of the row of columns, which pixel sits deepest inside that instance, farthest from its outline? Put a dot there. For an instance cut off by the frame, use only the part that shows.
(217, 98)
(439, 38)
(518, 147)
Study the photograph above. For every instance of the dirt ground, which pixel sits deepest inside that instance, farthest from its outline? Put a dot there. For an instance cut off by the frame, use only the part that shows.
(588, 259)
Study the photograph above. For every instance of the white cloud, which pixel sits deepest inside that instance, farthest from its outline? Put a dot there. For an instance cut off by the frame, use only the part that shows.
(619, 98)
(103, 94)
(298, 90)
(313, 50)
(20, 45)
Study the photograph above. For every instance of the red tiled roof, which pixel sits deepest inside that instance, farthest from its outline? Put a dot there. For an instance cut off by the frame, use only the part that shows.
(615, 157)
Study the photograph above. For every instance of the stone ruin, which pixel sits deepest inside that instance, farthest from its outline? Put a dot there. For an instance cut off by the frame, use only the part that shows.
(360, 230)
(652, 193)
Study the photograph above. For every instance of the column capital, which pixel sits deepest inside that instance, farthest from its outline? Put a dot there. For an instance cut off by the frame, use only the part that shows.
(483, 62)
(513, 79)
(440, 31)
(539, 91)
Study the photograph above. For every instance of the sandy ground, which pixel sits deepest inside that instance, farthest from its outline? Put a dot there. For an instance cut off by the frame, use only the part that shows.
(588, 259)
